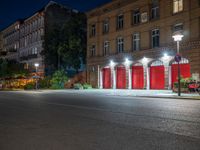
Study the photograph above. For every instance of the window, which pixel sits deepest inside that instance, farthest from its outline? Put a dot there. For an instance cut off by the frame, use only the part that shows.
(136, 17)
(120, 45)
(93, 30)
(93, 50)
(155, 9)
(136, 41)
(106, 26)
(155, 35)
(178, 27)
(177, 6)
(120, 22)
(106, 48)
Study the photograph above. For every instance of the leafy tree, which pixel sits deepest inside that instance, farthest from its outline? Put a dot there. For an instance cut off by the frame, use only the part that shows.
(66, 46)
(58, 79)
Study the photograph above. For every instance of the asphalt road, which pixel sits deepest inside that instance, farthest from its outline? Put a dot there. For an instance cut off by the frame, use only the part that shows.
(73, 120)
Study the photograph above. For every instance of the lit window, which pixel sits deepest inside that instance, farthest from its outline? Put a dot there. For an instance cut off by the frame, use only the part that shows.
(177, 6)
(120, 22)
(106, 48)
(120, 45)
(136, 41)
(155, 35)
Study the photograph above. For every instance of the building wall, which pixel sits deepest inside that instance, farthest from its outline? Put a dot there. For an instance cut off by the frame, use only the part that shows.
(10, 39)
(190, 46)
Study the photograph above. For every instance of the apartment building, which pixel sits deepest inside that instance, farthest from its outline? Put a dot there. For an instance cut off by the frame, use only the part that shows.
(24, 40)
(130, 43)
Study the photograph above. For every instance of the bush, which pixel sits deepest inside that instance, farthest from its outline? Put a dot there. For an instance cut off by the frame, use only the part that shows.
(78, 86)
(87, 86)
(44, 83)
(58, 80)
(29, 86)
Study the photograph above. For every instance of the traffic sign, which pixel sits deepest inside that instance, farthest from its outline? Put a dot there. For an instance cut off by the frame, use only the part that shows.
(177, 58)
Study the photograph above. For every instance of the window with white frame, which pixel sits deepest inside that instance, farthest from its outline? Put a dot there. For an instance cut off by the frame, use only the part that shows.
(120, 45)
(177, 6)
(178, 27)
(106, 48)
(120, 21)
(155, 35)
(93, 30)
(155, 9)
(136, 17)
(106, 26)
(93, 50)
(136, 41)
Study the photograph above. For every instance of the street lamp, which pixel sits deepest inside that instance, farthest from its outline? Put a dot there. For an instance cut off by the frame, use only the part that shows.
(36, 68)
(177, 38)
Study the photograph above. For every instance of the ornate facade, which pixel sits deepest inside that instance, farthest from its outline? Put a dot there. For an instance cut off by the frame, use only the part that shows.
(130, 43)
(23, 40)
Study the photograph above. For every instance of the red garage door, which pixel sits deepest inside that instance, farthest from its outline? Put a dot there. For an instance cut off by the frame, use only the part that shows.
(184, 69)
(121, 77)
(157, 77)
(106, 78)
(137, 77)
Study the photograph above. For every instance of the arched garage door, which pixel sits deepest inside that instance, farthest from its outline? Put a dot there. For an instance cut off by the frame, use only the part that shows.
(121, 77)
(106, 78)
(184, 70)
(157, 75)
(137, 76)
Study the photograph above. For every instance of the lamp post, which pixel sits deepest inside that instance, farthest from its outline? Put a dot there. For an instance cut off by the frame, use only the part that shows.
(36, 68)
(177, 38)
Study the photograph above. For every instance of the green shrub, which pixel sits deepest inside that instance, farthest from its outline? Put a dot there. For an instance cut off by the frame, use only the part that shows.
(44, 83)
(78, 86)
(58, 80)
(87, 86)
(29, 86)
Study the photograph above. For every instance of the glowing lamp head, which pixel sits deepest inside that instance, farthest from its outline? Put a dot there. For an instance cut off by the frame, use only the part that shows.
(144, 59)
(112, 63)
(178, 37)
(36, 65)
(126, 61)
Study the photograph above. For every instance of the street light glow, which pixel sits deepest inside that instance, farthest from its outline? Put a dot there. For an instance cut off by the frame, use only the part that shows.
(112, 63)
(126, 61)
(178, 37)
(36, 65)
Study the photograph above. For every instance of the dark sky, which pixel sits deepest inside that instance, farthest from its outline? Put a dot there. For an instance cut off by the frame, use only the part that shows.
(11, 10)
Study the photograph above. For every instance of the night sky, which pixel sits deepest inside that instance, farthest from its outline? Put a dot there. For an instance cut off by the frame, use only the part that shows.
(11, 10)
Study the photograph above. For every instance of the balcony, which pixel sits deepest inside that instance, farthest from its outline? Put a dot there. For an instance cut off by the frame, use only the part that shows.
(32, 56)
(3, 53)
(12, 50)
(22, 58)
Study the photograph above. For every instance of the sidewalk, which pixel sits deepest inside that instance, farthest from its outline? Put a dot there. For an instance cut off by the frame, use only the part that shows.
(144, 93)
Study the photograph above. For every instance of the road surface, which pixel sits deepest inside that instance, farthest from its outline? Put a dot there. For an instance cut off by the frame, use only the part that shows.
(74, 120)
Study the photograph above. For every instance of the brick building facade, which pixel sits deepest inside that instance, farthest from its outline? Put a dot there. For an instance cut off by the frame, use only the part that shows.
(130, 43)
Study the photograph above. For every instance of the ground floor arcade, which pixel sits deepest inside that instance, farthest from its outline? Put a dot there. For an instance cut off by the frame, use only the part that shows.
(143, 74)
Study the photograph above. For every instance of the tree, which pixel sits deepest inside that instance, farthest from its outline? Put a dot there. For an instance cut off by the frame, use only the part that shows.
(58, 79)
(66, 46)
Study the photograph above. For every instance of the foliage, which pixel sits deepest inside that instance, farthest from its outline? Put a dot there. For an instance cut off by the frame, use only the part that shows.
(78, 86)
(66, 46)
(58, 80)
(87, 86)
(184, 82)
(29, 86)
(44, 83)
(12, 69)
